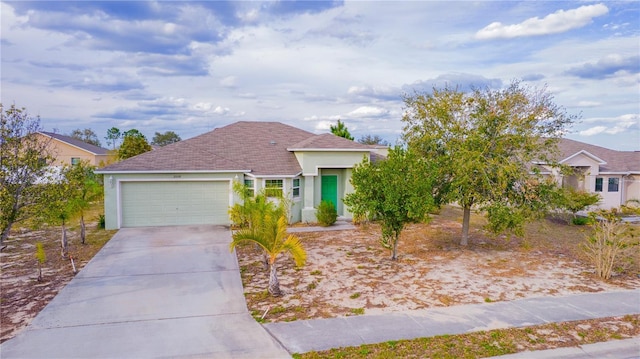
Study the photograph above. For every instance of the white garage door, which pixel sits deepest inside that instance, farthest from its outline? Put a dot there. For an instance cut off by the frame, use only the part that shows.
(174, 203)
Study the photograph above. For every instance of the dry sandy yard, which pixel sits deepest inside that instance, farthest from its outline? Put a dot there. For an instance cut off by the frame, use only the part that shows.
(348, 272)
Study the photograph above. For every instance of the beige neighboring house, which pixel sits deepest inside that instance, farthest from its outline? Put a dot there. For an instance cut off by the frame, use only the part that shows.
(69, 151)
(614, 175)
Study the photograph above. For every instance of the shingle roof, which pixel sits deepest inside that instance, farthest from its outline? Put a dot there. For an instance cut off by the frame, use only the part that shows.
(616, 161)
(327, 141)
(77, 143)
(259, 147)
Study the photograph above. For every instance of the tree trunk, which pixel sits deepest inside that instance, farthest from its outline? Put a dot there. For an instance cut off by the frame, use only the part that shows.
(274, 284)
(5, 234)
(465, 225)
(63, 242)
(83, 229)
(394, 251)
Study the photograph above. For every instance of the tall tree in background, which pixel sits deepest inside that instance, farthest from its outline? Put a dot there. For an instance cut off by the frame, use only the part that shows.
(340, 129)
(133, 144)
(483, 142)
(113, 136)
(87, 135)
(163, 139)
(395, 191)
(24, 160)
(373, 140)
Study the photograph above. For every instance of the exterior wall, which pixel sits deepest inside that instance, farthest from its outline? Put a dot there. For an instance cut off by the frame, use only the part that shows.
(317, 163)
(610, 199)
(64, 152)
(312, 161)
(296, 203)
(631, 188)
(113, 183)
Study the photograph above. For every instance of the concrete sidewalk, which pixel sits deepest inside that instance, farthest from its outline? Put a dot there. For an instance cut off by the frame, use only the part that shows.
(322, 334)
(617, 349)
(151, 293)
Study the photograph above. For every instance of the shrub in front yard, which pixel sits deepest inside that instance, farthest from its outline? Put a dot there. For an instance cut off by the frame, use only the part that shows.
(610, 240)
(326, 213)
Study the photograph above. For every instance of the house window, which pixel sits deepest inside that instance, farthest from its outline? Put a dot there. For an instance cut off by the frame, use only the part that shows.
(598, 184)
(613, 184)
(273, 188)
(75, 161)
(250, 187)
(296, 187)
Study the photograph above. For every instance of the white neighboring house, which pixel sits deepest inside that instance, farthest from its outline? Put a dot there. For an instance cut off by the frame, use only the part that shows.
(614, 175)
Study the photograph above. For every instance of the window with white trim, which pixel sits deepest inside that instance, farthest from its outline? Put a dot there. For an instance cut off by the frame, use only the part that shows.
(249, 184)
(296, 187)
(614, 183)
(75, 161)
(273, 188)
(598, 184)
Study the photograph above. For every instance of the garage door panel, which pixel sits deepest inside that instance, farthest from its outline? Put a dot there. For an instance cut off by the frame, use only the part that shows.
(174, 203)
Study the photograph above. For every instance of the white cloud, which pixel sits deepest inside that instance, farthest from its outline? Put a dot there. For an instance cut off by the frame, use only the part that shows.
(588, 104)
(221, 110)
(559, 21)
(592, 131)
(368, 111)
(613, 125)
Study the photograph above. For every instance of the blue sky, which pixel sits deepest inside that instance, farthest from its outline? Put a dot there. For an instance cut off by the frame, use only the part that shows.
(190, 67)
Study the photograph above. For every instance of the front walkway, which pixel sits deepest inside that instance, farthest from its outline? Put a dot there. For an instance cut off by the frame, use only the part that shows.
(150, 293)
(321, 334)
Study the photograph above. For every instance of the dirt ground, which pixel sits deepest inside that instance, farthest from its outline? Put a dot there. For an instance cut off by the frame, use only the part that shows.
(349, 273)
(22, 296)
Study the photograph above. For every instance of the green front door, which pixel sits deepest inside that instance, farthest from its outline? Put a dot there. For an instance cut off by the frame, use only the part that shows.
(330, 189)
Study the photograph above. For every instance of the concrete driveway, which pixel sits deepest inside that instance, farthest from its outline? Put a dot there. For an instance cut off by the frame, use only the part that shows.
(149, 293)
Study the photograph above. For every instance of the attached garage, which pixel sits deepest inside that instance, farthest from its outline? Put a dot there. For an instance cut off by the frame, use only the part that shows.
(168, 203)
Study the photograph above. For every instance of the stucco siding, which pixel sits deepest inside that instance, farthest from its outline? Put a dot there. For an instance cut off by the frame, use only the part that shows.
(311, 162)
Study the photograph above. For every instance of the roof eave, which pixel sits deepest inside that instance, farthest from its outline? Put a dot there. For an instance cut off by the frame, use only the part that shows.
(331, 149)
(167, 171)
(72, 145)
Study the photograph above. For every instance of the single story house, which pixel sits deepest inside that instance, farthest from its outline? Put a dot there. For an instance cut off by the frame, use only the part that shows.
(614, 175)
(68, 150)
(190, 182)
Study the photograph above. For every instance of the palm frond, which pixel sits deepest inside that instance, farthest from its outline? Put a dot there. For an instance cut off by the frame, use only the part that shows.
(293, 245)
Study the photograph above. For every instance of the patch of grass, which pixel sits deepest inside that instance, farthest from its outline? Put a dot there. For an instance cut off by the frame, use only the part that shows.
(485, 343)
(277, 310)
(488, 300)
(316, 272)
(357, 311)
(354, 295)
(312, 285)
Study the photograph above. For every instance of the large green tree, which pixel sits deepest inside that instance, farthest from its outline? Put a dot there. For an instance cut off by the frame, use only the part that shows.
(394, 191)
(133, 144)
(484, 142)
(87, 135)
(24, 167)
(340, 129)
(163, 139)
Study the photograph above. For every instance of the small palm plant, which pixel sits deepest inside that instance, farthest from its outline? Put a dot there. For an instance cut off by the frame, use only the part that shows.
(269, 231)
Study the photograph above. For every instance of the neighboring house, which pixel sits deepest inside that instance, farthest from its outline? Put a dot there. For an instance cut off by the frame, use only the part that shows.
(190, 182)
(69, 151)
(614, 175)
